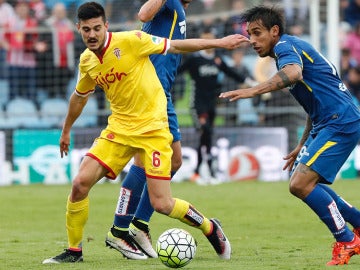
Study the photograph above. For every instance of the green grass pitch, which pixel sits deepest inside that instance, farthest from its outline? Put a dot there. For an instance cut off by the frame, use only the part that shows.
(268, 228)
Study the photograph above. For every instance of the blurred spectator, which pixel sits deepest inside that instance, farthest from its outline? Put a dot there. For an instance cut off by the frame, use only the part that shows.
(38, 9)
(21, 42)
(234, 24)
(6, 15)
(204, 68)
(277, 104)
(208, 4)
(124, 11)
(353, 42)
(346, 62)
(344, 30)
(352, 82)
(264, 69)
(107, 4)
(295, 11)
(56, 65)
(343, 4)
(352, 12)
(244, 110)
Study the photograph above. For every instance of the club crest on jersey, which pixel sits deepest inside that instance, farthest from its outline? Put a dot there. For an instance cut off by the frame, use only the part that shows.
(156, 40)
(117, 53)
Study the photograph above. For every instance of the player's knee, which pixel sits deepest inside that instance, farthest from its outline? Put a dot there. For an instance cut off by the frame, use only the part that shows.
(162, 206)
(296, 188)
(79, 189)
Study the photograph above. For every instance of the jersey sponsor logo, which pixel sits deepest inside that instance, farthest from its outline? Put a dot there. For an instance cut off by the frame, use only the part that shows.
(104, 81)
(193, 216)
(182, 26)
(123, 202)
(117, 53)
(342, 87)
(336, 216)
(156, 40)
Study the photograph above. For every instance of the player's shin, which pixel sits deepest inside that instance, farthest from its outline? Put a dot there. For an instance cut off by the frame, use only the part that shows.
(129, 196)
(76, 216)
(188, 214)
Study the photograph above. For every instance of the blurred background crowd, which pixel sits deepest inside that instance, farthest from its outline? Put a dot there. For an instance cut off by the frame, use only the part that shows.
(39, 49)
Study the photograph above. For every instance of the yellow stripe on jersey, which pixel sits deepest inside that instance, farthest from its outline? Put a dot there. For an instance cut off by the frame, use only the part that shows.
(308, 56)
(306, 85)
(321, 150)
(302, 64)
(173, 24)
(128, 78)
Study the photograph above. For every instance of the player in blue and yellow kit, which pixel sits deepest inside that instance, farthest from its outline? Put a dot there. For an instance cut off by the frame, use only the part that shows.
(332, 130)
(163, 19)
(119, 63)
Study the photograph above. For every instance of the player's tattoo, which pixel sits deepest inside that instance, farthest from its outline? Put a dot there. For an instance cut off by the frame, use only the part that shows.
(302, 169)
(154, 8)
(285, 80)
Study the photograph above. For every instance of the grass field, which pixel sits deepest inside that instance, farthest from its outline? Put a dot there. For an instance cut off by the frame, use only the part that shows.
(268, 228)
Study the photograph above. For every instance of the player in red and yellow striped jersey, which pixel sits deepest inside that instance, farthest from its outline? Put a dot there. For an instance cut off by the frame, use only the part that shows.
(119, 63)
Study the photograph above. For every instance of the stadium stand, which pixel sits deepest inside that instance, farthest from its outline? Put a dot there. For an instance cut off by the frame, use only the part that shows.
(89, 115)
(53, 111)
(22, 113)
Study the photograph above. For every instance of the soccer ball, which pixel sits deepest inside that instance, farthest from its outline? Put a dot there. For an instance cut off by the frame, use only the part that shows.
(176, 247)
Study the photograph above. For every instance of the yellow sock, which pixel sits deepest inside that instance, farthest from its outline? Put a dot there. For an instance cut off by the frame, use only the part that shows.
(76, 216)
(188, 214)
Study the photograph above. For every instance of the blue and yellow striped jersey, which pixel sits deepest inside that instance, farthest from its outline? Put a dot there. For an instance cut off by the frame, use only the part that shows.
(321, 92)
(170, 23)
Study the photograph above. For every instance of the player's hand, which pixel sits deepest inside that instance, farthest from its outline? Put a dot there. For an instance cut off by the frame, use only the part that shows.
(234, 41)
(64, 144)
(291, 158)
(237, 94)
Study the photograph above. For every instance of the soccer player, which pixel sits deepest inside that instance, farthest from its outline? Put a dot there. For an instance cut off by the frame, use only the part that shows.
(333, 124)
(119, 63)
(204, 68)
(164, 19)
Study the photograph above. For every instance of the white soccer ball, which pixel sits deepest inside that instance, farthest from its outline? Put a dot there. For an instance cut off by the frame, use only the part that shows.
(176, 248)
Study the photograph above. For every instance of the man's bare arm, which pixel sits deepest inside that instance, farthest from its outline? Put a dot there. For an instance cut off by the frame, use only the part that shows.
(287, 76)
(149, 9)
(197, 44)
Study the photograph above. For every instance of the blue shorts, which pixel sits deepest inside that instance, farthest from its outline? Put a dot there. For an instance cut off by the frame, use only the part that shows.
(173, 122)
(327, 151)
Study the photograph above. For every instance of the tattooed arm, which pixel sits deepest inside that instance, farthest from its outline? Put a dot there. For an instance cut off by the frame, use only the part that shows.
(285, 77)
(149, 9)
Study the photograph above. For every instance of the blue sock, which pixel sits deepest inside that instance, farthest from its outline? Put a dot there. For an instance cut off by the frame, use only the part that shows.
(129, 197)
(350, 213)
(325, 207)
(145, 210)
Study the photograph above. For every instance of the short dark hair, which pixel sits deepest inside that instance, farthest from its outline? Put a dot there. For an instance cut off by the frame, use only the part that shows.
(269, 16)
(90, 10)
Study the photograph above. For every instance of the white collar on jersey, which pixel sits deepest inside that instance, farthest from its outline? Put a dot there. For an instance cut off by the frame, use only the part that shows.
(106, 40)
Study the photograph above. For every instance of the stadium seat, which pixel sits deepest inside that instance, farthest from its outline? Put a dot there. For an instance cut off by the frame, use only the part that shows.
(4, 122)
(53, 111)
(246, 112)
(89, 115)
(22, 113)
(4, 92)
